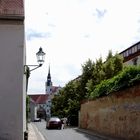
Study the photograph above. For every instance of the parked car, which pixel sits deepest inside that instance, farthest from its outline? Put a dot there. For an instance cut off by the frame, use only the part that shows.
(54, 122)
(37, 120)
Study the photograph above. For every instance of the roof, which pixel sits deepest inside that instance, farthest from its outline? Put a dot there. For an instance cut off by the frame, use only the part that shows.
(130, 47)
(39, 99)
(11, 7)
(42, 98)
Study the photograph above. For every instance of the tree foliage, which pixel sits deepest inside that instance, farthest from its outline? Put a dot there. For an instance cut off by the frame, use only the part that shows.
(126, 78)
(67, 101)
(104, 70)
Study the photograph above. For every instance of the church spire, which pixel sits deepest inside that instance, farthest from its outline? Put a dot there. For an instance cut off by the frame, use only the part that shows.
(49, 82)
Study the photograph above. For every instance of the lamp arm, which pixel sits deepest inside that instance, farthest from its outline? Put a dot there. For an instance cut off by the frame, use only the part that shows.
(26, 67)
(37, 66)
(27, 71)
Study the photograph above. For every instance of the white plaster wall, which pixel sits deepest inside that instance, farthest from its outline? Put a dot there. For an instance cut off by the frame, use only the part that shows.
(12, 115)
(24, 90)
(130, 62)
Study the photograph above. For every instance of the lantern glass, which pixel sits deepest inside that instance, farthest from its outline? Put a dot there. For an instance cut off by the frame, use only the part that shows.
(40, 56)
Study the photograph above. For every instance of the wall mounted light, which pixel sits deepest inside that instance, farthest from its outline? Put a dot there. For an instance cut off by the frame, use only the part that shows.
(40, 59)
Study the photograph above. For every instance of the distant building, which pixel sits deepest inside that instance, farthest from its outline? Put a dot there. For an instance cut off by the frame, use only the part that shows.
(43, 102)
(38, 106)
(131, 55)
(50, 91)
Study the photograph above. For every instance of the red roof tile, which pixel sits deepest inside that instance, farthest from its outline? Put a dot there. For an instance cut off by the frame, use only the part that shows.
(42, 99)
(39, 99)
(34, 97)
(11, 7)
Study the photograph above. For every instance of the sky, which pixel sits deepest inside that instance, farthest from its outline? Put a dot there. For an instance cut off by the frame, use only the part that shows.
(72, 31)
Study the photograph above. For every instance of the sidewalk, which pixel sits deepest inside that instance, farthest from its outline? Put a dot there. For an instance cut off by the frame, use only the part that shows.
(34, 134)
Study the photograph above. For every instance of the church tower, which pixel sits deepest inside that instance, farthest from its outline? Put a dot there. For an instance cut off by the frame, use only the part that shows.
(48, 83)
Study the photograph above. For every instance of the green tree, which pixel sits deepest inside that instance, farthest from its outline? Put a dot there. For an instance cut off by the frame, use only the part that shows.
(103, 71)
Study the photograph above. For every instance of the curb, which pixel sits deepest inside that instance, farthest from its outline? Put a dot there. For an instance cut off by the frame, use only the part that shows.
(34, 133)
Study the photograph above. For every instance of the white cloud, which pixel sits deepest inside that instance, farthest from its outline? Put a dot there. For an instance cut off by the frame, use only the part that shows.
(71, 31)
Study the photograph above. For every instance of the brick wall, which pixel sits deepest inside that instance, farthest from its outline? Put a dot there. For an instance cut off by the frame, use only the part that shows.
(116, 115)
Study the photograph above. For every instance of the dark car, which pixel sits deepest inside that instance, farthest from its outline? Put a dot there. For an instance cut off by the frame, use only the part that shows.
(54, 123)
(37, 120)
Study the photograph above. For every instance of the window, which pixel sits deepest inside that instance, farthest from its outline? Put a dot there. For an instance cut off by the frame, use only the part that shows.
(124, 54)
(135, 61)
(139, 46)
(129, 51)
(134, 49)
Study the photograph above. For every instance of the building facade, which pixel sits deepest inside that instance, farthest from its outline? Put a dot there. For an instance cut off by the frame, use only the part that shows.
(12, 78)
(37, 106)
(50, 92)
(131, 55)
(43, 102)
(48, 87)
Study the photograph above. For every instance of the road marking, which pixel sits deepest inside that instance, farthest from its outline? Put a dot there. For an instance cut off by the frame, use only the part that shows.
(39, 133)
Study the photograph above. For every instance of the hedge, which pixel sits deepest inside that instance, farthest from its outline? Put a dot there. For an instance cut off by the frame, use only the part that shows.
(129, 76)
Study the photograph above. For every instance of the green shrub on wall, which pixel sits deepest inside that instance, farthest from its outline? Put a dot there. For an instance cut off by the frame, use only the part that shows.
(128, 77)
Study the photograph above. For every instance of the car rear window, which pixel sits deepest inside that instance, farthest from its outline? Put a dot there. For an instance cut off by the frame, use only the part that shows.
(54, 119)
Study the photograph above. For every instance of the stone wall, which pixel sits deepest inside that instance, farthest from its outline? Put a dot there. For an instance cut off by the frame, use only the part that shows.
(116, 115)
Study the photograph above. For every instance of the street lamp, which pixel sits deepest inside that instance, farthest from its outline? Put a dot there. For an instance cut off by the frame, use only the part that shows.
(40, 59)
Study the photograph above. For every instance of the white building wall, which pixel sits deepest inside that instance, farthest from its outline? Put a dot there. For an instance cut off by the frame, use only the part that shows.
(24, 92)
(130, 62)
(138, 60)
(12, 105)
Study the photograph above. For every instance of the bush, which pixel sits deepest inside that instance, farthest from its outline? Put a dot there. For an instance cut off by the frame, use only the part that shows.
(128, 77)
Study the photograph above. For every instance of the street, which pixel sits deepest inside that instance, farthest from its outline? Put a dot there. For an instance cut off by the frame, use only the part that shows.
(69, 133)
